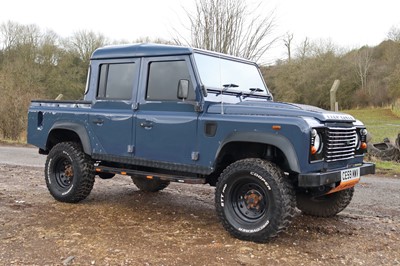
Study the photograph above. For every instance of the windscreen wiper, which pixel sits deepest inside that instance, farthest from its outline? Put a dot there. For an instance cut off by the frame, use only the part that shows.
(230, 85)
(254, 90)
(225, 89)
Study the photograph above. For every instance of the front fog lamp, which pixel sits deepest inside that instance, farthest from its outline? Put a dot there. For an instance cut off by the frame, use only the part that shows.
(316, 142)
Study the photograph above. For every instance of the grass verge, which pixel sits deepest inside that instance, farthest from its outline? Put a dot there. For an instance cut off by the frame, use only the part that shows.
(381, 123)
(13, 143)
(387, 168)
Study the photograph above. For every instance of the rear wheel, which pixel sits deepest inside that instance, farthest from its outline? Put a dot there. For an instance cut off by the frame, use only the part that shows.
(254, 200)
(149, 185)
(325, 206)
(69, 172)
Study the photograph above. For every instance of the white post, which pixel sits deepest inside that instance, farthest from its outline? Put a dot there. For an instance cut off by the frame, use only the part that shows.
(334, 89)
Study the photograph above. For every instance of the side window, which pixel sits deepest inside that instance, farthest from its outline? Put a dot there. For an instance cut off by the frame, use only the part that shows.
(88, 81)
(164, 78)
(116, 81)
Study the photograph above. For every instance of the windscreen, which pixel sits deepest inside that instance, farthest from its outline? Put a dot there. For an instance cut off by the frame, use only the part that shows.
(220, 73)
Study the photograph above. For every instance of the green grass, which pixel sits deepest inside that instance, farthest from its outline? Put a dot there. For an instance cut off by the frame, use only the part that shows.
(387, 168)
(381, 122)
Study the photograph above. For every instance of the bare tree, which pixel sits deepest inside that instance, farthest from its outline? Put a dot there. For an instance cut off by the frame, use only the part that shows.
(394, 34)
(22, 38)
(18, 75)
(231, 27)
(148, 39)
(287, 40)
(322, 47)
(363, 62)
(9, 33)
(303, 50)
(85, 42)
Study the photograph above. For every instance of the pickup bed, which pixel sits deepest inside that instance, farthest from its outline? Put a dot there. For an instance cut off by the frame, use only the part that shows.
(162, 114)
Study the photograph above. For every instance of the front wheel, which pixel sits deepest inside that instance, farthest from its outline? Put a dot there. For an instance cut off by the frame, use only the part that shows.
(254, 200)
(69, 172)
(324, 206)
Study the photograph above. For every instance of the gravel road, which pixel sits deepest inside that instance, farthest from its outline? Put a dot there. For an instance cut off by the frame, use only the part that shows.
(21, 156)
(120, 225)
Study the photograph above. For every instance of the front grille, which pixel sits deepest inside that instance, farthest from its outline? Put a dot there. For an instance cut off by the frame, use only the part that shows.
(340, 143)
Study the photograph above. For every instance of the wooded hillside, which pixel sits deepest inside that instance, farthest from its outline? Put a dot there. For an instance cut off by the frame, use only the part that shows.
(40, 64)
(369, 76)
(37, 64)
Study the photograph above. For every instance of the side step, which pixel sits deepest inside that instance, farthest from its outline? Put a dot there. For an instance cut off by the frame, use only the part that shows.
(148, 175)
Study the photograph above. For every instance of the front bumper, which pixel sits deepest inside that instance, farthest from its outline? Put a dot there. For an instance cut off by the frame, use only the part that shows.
(322, 179)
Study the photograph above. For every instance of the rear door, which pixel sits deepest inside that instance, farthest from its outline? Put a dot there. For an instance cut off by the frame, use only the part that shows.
(166, 126)
(112, 118)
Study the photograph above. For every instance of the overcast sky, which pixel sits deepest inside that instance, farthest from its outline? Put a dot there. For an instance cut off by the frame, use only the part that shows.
(347, 23)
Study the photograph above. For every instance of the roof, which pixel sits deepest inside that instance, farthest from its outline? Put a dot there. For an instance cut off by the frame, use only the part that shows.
(139, 50)
(152, 49)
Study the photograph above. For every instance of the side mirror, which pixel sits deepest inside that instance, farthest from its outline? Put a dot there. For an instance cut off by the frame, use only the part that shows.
(183, 89)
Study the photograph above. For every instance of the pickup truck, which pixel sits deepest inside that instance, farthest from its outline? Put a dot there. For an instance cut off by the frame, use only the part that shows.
(163, 113)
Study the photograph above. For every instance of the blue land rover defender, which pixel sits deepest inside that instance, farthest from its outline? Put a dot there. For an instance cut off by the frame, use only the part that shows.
(162, 114)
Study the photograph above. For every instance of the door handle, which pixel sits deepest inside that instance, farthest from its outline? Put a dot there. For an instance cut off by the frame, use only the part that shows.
(146, 124)
(98, 121)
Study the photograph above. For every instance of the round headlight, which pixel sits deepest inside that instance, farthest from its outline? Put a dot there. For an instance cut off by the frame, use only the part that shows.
(363, 132)
(358, 142)
(317, 142)
(313, 133)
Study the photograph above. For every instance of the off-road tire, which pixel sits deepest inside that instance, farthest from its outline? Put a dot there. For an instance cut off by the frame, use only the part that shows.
(324, 206)
(254, 200)
(384, 151)
(149, 185)
(69, 172)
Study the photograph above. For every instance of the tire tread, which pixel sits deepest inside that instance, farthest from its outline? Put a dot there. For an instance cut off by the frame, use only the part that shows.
(286, 191)
(86, 179)
(328, 207)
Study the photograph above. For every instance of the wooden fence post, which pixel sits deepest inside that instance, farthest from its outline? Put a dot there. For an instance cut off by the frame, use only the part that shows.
(335, 87)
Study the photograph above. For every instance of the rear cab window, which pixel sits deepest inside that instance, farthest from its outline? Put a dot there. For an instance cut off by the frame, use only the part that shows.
(116, 80)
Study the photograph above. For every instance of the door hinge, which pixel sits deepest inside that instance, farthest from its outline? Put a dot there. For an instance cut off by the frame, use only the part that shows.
(198, 107)
(195, 156)
(131, 149)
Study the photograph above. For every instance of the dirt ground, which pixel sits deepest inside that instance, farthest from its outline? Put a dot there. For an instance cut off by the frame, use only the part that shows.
(119, 225)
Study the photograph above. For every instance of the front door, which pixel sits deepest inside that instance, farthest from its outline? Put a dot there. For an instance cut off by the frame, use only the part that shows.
(166, 126)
